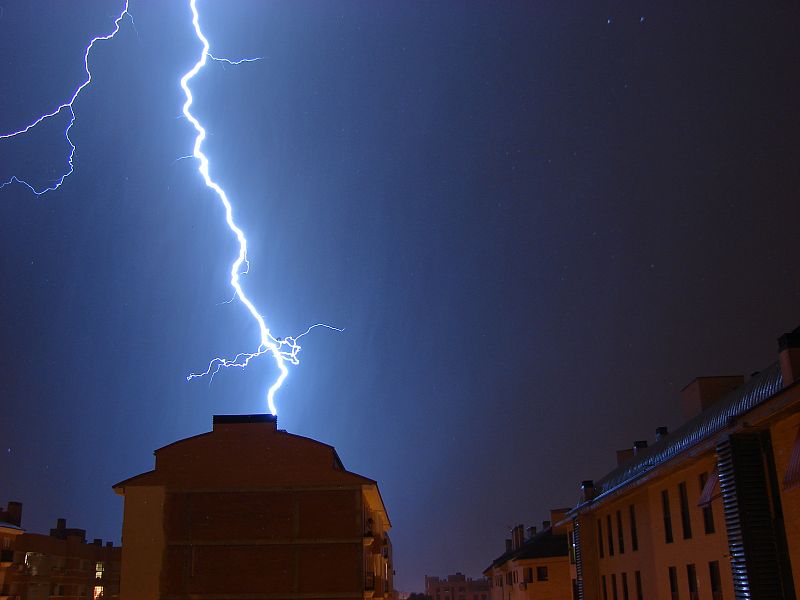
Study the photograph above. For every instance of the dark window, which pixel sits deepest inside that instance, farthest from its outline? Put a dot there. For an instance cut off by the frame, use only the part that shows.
(691, 575)
(600, 537)
(605, 589)
(541, 573)
(620, 534)
(529, 575)
(673, 583)
(614, 587)
(610, 536)
(716, 580)
(634, 536)
(625, 587)
(571, 542)
(708, 512)
(638, 578)
(686, 520)
(667, 517)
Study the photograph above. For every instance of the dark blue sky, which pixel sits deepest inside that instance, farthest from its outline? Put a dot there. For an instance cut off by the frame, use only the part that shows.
(536, 221)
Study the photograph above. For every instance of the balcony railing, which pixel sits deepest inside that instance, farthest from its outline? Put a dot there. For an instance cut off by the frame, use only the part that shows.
(369, 581)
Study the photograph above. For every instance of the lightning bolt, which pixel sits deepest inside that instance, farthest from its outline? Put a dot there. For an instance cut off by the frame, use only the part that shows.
(282, 350)
(66, 106)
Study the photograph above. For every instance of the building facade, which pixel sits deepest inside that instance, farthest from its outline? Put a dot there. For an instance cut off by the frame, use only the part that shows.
(711, 510)
(456, 587)
(535, 565)
(250, 511)
(61, 565)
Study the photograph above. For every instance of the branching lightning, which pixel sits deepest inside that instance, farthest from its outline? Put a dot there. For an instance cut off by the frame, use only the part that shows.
(66, 106)
(282, 350)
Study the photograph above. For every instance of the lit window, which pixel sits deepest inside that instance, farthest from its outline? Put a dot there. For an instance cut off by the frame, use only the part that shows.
(98, 571)
(97, 593)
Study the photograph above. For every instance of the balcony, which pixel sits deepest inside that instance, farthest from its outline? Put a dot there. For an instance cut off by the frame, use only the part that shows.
(369, 584)
(6, 557)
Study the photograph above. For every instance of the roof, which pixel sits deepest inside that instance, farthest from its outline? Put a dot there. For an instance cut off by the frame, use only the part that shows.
(542, 545)
(715, 418)
(5, 525)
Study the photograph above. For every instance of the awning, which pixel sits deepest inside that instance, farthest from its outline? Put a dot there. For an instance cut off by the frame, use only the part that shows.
(710, 489)
(792, 478)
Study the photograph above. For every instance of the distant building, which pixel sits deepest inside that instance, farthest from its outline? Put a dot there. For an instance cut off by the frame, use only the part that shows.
(456, 587)
(61, 565)
(710, 510)
(250, 511)
(535, 565)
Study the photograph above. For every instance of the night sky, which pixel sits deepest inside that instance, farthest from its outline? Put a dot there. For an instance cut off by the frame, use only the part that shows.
(536, 221)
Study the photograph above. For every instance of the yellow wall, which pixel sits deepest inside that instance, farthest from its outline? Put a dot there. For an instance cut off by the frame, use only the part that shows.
(142, 543)
(784, 434)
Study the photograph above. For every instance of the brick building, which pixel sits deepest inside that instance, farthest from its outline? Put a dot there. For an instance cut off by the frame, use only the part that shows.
(250, 511)
(710, 510)
(535, 565)
(456, 587)
(60, 565)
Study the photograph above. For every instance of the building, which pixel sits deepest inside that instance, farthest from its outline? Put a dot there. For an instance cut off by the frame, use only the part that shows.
(250, 511)
(456, 587)
(60, 565)
(710, 510)
(535, 566)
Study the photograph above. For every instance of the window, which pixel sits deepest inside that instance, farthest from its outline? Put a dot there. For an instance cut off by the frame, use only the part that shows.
(686, 520)
(98, 570)
(667, 517)
(625, 587)
(97, 592)
(610, 535)
(571, 544)
(715, 579)
(638, 579)
(600, 538)
(6, 543)
(529, 575)
(620, 536)
(614, 587)
(673, 583)
(708, 512)
(691, 575)
(634, 535)
(604, 588)
(541, 573)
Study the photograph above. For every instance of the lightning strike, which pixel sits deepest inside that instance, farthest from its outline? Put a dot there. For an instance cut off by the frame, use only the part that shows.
(66, 106)
(282, 350)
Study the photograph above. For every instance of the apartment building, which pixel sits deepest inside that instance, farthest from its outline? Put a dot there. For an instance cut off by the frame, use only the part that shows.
(60, 565)
(535, 564)
(456, 587)
(710, 510)
(250, 511)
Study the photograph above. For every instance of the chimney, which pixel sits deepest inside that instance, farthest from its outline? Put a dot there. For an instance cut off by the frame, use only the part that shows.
(587, 490)
(639, 446)
(109, 544)
(624, 456)
(97, 542)
(558, 515)
(789, 356)
(531, 532)
(508, 545)
(61, 524)
(12, 514)
(661, 432)
(234, 423)
(702, 392)
(517, 536)
(546, 525)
